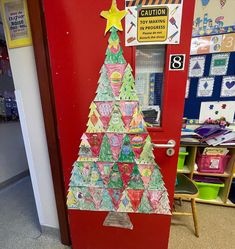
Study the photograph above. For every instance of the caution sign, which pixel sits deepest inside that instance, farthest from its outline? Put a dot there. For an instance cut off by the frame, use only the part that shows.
(152, 24)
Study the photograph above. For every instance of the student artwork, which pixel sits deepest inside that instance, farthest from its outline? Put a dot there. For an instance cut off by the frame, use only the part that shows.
(197, 66)
(205, 87)
(216, 110)
(213, 17)
(219, 64)
(115, 169)
(228, 86)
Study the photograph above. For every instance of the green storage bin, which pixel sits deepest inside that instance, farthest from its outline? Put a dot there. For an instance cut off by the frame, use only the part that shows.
(181, 159)
(208, 191)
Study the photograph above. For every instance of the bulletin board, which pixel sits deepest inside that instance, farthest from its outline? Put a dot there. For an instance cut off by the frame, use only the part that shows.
(214, 85)
(213, 17)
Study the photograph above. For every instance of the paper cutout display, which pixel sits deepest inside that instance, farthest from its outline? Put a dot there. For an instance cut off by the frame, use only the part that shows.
(115, 170)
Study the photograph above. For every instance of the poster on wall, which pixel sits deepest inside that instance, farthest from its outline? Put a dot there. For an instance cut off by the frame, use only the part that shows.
(219, 64)
(213, 17)
(16, 23)
(205, 87)
(213, 44)
(216, 110)
(153, 22)
(197, 66)
(228, 87)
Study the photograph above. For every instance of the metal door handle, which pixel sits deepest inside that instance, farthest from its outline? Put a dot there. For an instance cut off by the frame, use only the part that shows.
(170, 144)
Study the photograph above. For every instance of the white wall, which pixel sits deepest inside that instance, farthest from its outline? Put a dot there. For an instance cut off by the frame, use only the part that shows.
(29, 105)
(12, 153)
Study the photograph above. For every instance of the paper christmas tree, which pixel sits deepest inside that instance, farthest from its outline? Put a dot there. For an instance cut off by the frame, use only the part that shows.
(116, 169)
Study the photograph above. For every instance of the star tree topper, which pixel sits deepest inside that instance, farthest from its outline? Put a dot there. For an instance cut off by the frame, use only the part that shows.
(114, 17)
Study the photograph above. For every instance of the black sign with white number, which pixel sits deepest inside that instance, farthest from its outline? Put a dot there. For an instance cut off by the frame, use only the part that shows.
(177, 62)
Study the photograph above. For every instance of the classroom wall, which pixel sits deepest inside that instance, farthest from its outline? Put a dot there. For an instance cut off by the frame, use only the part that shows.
(29, 105)
(12, 153)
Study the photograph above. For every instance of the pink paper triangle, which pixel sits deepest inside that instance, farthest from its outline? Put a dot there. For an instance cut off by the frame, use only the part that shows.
(154, 197)
(105, 168)
(115, 141)
(146, 171)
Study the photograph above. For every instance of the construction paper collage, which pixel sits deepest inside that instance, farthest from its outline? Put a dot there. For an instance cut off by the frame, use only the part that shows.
(116, 170)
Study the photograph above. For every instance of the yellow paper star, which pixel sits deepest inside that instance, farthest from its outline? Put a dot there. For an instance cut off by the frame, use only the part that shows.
(114, 17)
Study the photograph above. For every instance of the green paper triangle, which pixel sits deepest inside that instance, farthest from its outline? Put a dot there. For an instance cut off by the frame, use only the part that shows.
(106, 154)
(145, 206)
(156, 181)
(115, 180)
(126, 155)
(136, 181)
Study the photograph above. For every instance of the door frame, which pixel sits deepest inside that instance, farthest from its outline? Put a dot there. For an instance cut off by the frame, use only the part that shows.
(39, 37)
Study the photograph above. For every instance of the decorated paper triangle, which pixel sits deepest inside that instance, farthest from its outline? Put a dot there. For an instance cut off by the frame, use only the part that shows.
(128, 91)
(94, 123)
(145, 206)
(135, 198)
(105, 151)
(125, 204)
(81, 174)
(127, 110)
(115, 74)
(146, 171)
(84, 200)
(135, 180)
(126, 155)
(115, 141)
(116, 124)
(105, 170)
(147, 156)
(95, 177)
(85, 147)
(156, 181)
(126, 170)
(105, 110)
(154, 197)
(114, 53)
(137, 143)
(71, 199)
(115, 180)
(97, 195)
(95, 140)
(116, 195)
(137, 124)
(106, 204)
(163, 206)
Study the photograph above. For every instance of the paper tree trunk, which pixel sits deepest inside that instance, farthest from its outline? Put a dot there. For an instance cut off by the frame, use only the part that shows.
(116, 169)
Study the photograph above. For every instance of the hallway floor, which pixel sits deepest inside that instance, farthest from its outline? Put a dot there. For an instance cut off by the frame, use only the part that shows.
(19, 227)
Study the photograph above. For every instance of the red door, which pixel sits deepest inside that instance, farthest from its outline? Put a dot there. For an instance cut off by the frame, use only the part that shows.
(77, 50)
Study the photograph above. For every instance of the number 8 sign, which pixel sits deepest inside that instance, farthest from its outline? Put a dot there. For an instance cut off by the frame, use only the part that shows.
(177, 62)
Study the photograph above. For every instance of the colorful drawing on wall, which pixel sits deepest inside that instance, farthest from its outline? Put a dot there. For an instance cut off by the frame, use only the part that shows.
(16, 23)
(219, 64)
(213, 44)
(213, 17)
(197, 66)
(116, 170)
(205, 87)
(228, 86)
(216, 110)
(153, 22)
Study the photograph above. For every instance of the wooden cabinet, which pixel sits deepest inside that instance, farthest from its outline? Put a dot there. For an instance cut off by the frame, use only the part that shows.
(227, 176)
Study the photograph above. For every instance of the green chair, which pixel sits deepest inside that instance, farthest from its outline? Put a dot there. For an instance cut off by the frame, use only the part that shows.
(186, 189)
